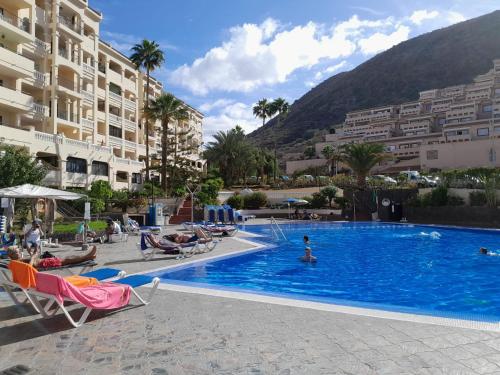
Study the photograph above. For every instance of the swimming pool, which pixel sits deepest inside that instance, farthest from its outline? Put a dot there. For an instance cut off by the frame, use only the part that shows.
(407, 268)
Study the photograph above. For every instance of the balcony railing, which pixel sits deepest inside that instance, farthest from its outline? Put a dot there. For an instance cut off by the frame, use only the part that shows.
(40, 46)
(63, 52)
(88, 69)
(69, 24)
(23, 24)
(87, 122)
(115, 120)
(39, 78)
(115, 96)
(130, 144)
(88, 95)
(129, 125)
(68, 117)
(130, 105)
(40, 109)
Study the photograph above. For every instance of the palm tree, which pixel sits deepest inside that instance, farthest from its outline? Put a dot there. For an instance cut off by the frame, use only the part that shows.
(262, 110)
(362, 157)
(332, 156)
(281, 107)
(165, 108)
(231, 153)
(148, 56)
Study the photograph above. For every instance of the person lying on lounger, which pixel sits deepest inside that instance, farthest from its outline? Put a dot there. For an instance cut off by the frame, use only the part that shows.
(199, 236)
(14, 253)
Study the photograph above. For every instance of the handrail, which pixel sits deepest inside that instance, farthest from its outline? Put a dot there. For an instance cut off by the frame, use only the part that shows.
(279, 230)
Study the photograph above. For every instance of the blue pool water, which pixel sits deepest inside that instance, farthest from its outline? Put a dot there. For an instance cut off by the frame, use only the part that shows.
(395, 267)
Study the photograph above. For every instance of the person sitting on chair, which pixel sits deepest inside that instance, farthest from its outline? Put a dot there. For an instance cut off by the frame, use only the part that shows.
(7, 239)
(33, 238)
(112, 228)
(14, 253)
(199, 236)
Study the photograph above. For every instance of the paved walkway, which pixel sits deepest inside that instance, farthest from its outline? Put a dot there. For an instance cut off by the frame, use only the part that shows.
(182, 333)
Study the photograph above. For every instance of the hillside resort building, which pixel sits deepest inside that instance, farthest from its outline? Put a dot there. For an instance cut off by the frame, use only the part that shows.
(453, 127)
(76, 102)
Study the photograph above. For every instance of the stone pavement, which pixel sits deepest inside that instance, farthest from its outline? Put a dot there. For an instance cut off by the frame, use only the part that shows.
(182, 333)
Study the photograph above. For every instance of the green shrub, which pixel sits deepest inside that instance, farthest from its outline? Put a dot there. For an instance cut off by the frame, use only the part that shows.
(438, 196)
(235, 201)
(318, 200)
(329, 194)
(477, 198)
(209, 191)
(342, 202)
(255, 200)
(455, 200)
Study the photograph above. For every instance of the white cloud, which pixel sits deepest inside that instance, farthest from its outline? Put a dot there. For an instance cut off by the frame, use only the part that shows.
(455, 17)
(228, 117)
(219, 103)
(329, 70)
(266, 54)
(419, 16)
(125, 42)
(379, 42)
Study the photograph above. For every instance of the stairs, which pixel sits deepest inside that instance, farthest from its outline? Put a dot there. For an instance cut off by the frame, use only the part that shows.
(183, 214)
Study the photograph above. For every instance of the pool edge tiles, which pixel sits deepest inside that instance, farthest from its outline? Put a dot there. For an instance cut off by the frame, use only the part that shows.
(402, 313)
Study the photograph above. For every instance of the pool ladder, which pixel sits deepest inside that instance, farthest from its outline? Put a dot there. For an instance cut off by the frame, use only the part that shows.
(277, 229)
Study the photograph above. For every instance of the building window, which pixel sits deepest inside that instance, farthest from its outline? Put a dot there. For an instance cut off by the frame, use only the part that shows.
(115, 132)
(136, 178)
(487, 108)
(496, 129)
(483, 132)
(121, 176)
(115, 88)
(100, 168)
(432, 155)
(76, 165)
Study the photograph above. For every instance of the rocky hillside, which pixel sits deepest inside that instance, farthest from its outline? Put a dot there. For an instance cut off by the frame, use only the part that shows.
(445, 57)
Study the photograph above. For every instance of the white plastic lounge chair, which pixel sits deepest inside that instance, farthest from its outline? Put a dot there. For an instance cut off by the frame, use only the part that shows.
(148, 250)
(131, 281)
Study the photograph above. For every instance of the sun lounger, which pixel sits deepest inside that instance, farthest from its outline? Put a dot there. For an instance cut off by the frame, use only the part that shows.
(148, 249)
(9, 284)
(83, 267)
(106, 296)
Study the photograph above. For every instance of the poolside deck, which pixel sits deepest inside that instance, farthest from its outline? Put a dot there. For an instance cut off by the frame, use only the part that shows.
(188, 333)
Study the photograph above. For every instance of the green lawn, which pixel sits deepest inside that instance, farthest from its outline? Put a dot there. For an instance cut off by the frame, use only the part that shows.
(98, 225)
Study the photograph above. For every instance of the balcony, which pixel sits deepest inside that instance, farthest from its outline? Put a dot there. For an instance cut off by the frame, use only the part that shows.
(115, 77)
(88, 70)
(74, 27)
(115, 142)
(40, 16)
(115, 120)
(15, 99)
(129, 125)
(40, 47)
(15, 65)
(73, 118)
(115, 98)
(88, 123)
(14, 28)
(101, 67)
(68, 85)
(130, 145)
(39, 79)
(64, 53)
(40, 110)
(129, 105)
(88, 96)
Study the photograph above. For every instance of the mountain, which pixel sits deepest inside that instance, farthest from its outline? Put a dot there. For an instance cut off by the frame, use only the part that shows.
(445, 57)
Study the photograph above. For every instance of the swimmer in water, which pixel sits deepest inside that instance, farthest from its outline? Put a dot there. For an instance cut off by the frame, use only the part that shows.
(485, 251)
(308, 252)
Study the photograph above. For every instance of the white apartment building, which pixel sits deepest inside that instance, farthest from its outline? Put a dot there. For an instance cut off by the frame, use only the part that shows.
(70, 98)
(453, 127)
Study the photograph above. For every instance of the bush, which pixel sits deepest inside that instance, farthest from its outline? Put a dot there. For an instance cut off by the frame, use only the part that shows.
(477, 198)
(438, 196)
(455, 200)
(342, 202)
(255, 200)
(329, 194)
(318, 200)
(235, 201)
(209, 191)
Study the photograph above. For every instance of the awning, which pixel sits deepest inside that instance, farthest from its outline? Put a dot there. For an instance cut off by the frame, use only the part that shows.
(34, 191)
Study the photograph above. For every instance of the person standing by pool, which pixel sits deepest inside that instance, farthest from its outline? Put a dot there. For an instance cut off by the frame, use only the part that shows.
(308, 252)
(33, 238)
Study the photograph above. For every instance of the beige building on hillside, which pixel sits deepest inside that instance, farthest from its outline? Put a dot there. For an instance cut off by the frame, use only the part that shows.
(453, 127)
(72, 99)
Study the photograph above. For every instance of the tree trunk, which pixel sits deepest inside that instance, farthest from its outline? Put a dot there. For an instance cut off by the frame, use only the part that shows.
(172, 177)
(361, 180)
(147, 125)
(164, 145)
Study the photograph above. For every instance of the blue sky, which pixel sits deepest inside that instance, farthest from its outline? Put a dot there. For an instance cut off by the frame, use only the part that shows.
(224, 55)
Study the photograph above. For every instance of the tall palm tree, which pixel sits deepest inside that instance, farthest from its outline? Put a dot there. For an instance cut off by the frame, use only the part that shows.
(278, 106)
(362, 157)
(262, 110)
(166, 108)
(332, 156)
(147, 55)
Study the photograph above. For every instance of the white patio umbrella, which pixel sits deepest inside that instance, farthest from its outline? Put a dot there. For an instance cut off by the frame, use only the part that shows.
(294, 201)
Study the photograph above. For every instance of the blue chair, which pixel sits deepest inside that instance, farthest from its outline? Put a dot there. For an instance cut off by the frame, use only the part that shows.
(220, 215)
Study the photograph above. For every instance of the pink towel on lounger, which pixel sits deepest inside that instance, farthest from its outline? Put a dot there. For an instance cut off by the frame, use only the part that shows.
(103, 296)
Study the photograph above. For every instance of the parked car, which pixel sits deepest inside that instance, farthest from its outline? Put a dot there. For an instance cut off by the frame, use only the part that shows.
(411, 176)
(428, 182)
(385, 179)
